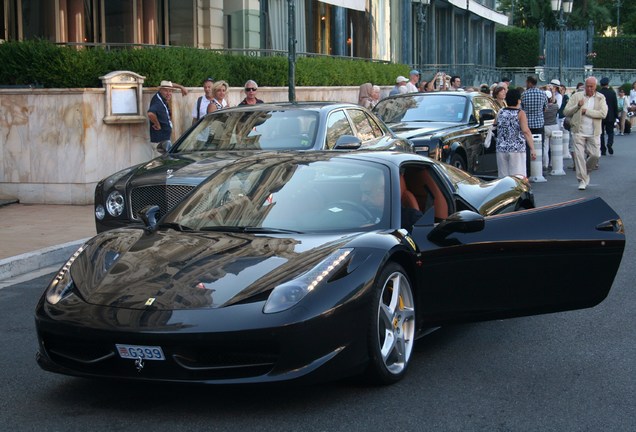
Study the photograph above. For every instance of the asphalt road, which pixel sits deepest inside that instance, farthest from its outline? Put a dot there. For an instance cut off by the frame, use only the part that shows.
(571, 371)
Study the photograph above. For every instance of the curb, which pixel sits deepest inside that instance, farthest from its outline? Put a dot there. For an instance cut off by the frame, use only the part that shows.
(31, 261)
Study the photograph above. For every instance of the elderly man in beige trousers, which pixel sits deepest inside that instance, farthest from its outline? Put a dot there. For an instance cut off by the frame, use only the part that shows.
(587, 110)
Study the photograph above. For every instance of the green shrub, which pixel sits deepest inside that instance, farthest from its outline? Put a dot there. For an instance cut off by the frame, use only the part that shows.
(42, 63)
(615, 52)
(517, 47)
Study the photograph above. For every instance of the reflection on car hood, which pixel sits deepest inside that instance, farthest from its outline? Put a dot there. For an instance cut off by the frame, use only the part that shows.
(189, 168)
(413, 129)
(125, 268)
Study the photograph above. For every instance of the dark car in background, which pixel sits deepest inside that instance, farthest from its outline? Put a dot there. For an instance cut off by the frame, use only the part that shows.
(447, 126)
(298, 265)
(226, 135)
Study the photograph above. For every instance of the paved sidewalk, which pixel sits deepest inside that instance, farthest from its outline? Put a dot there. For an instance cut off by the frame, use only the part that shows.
(36, 236)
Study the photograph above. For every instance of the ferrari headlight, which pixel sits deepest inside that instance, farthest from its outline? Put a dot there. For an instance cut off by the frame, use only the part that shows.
(62, 284)
(115, 204)
(288, 294)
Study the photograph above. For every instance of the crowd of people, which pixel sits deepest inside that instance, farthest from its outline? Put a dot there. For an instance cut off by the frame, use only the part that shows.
(524, 111)
(532, 110)
(214, 98)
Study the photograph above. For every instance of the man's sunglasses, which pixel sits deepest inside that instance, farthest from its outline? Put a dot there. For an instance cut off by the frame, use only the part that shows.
(250, 89)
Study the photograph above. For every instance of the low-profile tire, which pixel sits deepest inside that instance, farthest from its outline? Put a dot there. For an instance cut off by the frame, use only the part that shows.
(458, 161)
(392, 329)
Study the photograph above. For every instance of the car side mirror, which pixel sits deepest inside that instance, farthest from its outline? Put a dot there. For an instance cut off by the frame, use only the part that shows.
(148, 216)
(164, 146)
(486, 115)
(347, 142)
(464, 221)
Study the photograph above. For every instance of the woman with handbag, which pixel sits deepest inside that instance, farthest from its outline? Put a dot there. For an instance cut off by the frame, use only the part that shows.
(512, 135)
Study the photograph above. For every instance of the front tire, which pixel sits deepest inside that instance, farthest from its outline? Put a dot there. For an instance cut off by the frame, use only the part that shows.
(392, 329)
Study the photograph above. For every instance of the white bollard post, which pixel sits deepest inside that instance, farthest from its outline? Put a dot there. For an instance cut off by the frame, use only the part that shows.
(566, 145)
(536, 165)
(556, 150)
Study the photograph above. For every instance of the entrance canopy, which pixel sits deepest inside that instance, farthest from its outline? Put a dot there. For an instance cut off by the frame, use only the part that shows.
(349, 4)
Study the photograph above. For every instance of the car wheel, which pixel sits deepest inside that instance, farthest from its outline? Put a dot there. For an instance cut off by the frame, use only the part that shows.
(458, 161)
(392, 330)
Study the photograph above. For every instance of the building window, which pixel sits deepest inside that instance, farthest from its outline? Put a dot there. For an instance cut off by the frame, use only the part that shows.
(119, 22)
(181, 23)
(38, 19)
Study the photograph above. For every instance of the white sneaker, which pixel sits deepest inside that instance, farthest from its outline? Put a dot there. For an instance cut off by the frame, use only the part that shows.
(582, 185)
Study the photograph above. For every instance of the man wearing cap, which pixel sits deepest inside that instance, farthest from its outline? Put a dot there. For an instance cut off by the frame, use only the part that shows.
(505, 82)
(610, 120)
(587, 110)
(400, 86)
(159, 111)
(555, 84)
(411, 86)
(200, 109)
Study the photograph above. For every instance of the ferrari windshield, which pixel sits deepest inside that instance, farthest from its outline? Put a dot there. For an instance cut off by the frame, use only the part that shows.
(256, 129)
(289, 194)
(422, 108)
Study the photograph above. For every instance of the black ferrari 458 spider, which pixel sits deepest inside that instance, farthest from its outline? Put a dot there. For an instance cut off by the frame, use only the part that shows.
(313, 266)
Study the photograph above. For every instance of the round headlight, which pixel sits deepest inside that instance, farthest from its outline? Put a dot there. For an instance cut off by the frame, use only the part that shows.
(115, 204)
(100, 212)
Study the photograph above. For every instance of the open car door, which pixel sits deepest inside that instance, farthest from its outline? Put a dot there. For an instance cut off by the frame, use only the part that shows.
(543, 260)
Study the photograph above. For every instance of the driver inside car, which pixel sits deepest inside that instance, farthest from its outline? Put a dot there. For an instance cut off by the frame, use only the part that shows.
(373, 190)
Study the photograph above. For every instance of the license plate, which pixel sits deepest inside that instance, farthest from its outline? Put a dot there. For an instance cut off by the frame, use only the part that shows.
(140, 351)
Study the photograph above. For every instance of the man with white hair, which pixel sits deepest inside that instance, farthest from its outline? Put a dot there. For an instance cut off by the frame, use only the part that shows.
(587, 110)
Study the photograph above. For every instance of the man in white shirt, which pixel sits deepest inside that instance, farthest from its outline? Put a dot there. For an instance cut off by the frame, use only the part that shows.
(200, 108)
(587, 110)
(411, 86)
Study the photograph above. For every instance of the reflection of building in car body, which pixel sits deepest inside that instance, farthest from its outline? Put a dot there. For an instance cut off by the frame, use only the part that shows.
(253, 285)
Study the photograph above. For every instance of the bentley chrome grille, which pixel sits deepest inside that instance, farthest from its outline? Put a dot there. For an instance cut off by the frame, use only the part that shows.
(165, 196)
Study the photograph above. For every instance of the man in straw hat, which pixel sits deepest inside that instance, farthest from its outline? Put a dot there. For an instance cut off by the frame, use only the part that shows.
(160, 113)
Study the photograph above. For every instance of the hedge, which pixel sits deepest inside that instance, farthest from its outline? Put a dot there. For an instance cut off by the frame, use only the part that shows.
(43, 64)
(517, 47)
(615, 52)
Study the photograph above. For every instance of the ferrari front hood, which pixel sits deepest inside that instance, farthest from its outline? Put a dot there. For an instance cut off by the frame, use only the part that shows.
(169, 270)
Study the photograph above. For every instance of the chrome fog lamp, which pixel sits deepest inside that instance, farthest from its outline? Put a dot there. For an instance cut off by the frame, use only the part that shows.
(115, 204)
(100, 212)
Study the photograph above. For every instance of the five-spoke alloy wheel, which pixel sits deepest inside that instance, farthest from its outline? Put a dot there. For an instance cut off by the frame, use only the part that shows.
(392, 332)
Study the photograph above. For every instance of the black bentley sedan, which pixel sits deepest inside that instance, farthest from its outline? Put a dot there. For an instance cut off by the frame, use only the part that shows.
(300, 266)
(223, 136)
(448, 126)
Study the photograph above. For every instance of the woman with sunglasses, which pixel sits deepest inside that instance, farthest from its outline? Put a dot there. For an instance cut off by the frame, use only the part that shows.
(250, 94)
(219, 90)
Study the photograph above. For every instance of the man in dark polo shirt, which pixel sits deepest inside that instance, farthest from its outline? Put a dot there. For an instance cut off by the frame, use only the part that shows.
(159, 112)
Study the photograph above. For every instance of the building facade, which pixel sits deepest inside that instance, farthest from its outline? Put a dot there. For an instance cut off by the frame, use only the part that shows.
(415, 32)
